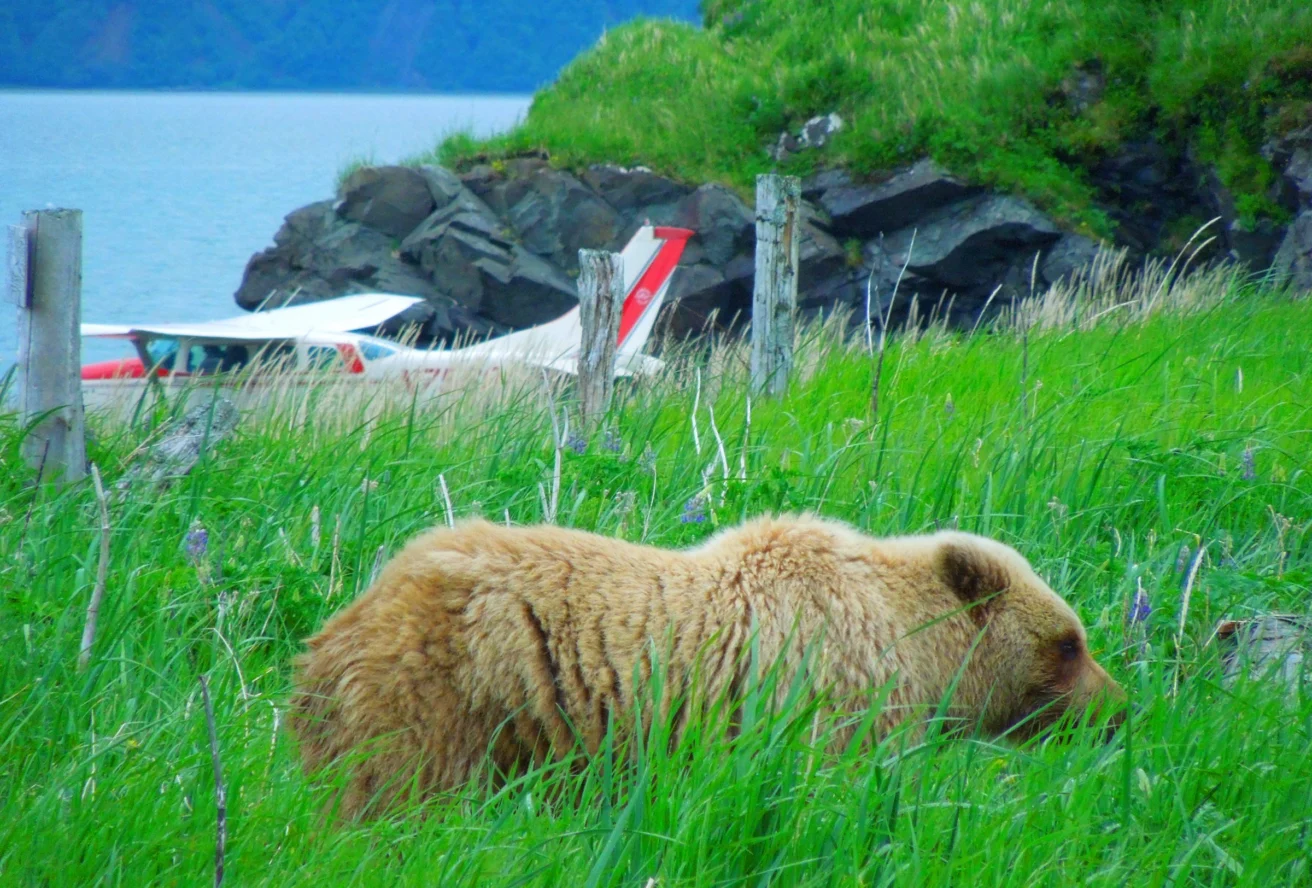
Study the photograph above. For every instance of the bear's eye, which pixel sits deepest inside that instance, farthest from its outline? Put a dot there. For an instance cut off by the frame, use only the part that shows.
(1070, 648)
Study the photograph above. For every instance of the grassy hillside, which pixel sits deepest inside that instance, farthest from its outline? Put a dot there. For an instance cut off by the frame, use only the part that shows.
(989, 88)
(1107, 457)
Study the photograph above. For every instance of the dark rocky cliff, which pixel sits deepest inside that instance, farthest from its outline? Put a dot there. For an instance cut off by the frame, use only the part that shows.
(494, 247)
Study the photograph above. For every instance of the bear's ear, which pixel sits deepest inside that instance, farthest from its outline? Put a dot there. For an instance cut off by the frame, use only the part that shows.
(971, 571)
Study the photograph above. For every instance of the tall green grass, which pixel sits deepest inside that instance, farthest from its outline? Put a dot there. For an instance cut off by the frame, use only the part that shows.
(985, 87)
(1107, 456)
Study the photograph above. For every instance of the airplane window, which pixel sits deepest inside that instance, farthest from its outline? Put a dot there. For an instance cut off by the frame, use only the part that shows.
(323, 357)
(204, 358)
(274, 356)
(162, 352)
(234, 357)
(374, 351)
(218, 358)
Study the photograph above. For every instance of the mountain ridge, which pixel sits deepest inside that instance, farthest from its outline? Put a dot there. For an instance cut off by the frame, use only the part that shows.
(399, 45)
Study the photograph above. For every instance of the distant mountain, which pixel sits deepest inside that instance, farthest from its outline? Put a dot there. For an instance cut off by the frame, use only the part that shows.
(447, 45)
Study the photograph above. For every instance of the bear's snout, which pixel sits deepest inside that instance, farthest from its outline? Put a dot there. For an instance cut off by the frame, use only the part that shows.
(1100, 694)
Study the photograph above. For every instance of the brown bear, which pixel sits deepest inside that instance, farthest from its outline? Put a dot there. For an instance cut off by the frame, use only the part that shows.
(519, 643)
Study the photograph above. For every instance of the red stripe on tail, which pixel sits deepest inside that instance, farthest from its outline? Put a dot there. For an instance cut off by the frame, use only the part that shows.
(657, 273)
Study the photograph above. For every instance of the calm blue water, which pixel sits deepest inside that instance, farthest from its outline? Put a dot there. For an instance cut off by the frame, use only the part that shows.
(179, 189)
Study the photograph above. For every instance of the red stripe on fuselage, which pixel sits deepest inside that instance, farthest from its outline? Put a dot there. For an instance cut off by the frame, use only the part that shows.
(653, 278)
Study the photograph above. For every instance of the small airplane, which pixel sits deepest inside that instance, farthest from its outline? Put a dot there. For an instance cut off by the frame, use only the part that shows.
(318, 337)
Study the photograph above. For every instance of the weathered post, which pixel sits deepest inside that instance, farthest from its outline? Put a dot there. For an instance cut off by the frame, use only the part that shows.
(774, 297)
(601, 301)
(46, 284)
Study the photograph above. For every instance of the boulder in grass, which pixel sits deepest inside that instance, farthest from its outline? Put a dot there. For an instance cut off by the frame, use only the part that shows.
(1274, 647)
(815, 133)
(1293, 262)
(175, 454)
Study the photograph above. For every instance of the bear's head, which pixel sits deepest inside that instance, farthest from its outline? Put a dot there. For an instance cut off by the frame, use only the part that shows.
(1031, 662)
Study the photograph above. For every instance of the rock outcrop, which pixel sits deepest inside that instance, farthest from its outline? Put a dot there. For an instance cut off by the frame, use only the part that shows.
(495, 247)
(1293, 155)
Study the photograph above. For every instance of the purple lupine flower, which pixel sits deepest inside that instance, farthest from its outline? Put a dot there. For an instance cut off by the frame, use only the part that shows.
(949, 408)
(1140, 609)
(1250, 466)
(577, 443)
(197, 542)
(694, 511)
(612, 442)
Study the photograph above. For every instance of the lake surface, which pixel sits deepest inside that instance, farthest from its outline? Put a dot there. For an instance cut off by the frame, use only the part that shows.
(179, 189)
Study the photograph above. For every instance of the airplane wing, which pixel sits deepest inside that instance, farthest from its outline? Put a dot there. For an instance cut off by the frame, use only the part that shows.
(650, 259)
(107, 331)
(329, 316)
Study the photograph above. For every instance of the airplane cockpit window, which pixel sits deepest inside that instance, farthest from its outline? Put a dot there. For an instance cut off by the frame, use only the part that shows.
(206, 359)
(163, 352)
(218, 358)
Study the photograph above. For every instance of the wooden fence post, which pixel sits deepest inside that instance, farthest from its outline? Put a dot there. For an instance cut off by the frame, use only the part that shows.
(774, 295)
(601, 301)
(49, 300)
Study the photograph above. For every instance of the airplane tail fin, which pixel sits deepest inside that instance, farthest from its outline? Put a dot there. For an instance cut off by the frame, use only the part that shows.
(649, 262)
(650, 258)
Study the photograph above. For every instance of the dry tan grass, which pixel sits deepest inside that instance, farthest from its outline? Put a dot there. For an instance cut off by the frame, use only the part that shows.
(1110, 289)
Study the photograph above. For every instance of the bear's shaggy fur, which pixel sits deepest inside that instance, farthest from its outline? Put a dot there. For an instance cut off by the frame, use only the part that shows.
(522, 642)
